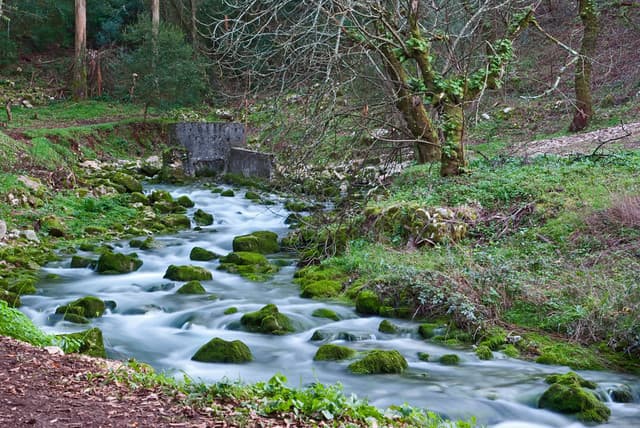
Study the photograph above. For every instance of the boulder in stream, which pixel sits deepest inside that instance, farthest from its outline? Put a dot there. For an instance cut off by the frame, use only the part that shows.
(221, 351)
(90, 342)
(187, 273)
(267, 320)
(263, 242)
(325, 313)
(81, 262)
(571, 394)
(380, 362)
(388, 327)
(111, 263)
(202, 218)
(81, 309)
(192, 287)
(367, 303)
(252, 266)
(128, 182)
(202, 254)
(331, 352)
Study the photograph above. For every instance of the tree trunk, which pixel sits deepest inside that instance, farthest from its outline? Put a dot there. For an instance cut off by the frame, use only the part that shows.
(194, 24)
(155, 18)
(155, 30)
(584, 102)
(427, 147)
(79, 85)
(453, 159)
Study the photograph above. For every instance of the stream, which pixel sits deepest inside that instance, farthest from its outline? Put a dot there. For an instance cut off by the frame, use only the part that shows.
(153, 324)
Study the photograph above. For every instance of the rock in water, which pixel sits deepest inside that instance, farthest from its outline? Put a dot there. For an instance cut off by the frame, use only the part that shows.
(111, 263)
(221, 351)
(187, 273)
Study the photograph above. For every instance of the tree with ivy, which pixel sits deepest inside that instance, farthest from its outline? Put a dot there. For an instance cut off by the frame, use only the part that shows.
(588, 11)
(431, 59)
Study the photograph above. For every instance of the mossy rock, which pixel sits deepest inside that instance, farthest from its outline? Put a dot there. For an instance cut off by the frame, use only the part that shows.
(230, 311)
(568, 394)
(449, 360)
(160, 195)
(267, 320)
(511, 351)
(311, 274)
(85, 307)
(621, 394)
(380, 362)
(494, 338)
(367, 303)
(87, 246)
(202, 255)
(140, 198)
(423, 356)
(144, 244)
(54, 226)
(388, 327)
(91, 342)
(21, 286)
(81, 262)
(427, 330)
(221, 351)
(164, 207)
(484, 352)
(252, 196)
(187, 273)
(95, 230)
(128, 182)
(202, 218)
(296, 206)
(176, 221)
(325, 313)
(263, 242)
(228, 193)
(330, 352)
(244, 258)
(321, 289)
(185, 201)
(111, 263)
(192, 287)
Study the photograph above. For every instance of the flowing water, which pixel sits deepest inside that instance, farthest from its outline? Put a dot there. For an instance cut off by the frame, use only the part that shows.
(153, 324)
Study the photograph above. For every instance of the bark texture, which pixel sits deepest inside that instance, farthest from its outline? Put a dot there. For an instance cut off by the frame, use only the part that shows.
(79, 84)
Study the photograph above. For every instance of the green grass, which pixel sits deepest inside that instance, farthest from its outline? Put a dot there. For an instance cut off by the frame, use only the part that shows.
(14, 323)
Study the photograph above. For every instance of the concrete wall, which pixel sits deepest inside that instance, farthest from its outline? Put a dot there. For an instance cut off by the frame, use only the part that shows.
(208, 145)
(250, 163)
(218, 148)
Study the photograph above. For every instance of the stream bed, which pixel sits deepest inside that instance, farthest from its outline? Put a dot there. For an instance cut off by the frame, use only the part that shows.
(154, 324)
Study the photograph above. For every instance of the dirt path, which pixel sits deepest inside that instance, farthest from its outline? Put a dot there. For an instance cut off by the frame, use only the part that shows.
(39, 389)
(625, 136)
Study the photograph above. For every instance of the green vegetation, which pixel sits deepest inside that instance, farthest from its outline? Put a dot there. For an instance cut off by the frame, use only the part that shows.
(253, 266)
(221, 351)
(330, 352)
(263, 242)
(187, 273)
(449, 360)
(267, 320)
(192, 287)
(325, 313)
(79, 310)
(202, 254)
(380, 362)
(111, 263)
(569, 393)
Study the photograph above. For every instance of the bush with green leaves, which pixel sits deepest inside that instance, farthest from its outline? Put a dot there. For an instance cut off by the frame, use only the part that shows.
(174, 77)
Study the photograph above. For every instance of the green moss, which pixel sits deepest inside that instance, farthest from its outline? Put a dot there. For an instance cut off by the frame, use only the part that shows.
(202, 218)
(12, 299)
(90, 342)
(621, 394)
(252, 196)
(296, 206)
(221, 351)
(231, 310)
(54, 226)
(192, 287)
(423, 356)
(144, 244)
(484, 352)
(511, 351)
(244, 258)
(267, 320)
(187, 273)
(137, 197)
(201, 254)
(330, 352)
(325, 313)
(81, 262)
(494, 338)
(227, 193)
(128, 182)
(387, 326)
(567, 394)
(263, 242)
(252, 266)
(185, 201)
(380, 362)
(176, 221)
(367, 303)
(427, 330)
(321, 289)
(449, 360)
(85, 307)
(111, 263)
(311, 274)
(14, 323)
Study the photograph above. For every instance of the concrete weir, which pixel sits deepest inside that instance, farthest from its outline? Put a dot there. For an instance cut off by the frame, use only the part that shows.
(219, 148)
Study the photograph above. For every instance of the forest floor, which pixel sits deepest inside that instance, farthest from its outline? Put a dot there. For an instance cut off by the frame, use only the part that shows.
(39, 388)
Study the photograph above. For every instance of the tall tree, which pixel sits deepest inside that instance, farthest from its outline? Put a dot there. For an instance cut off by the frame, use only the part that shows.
(79, 84)
(584, 100)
